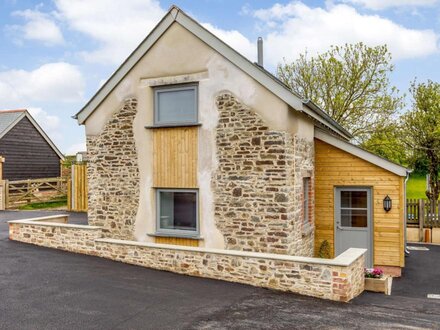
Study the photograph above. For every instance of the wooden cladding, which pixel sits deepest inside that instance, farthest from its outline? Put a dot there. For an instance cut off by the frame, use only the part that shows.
(27, 154)
(175, 157)
(334, 167)
(177, 241)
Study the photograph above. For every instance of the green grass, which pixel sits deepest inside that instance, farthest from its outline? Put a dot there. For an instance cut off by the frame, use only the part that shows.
(416, 186)
(45, 205)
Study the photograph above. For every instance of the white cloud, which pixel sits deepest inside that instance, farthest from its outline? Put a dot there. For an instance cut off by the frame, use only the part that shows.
(234, 39)
(52, 82)
(385, 4)
(75, 148)
(118, 26)
(39, 26)
(49, 123)
(296, 27)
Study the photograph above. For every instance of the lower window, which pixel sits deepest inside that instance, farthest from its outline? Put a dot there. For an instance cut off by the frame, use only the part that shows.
(177, 211)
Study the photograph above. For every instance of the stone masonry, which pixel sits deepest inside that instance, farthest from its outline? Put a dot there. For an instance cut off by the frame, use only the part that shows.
(340, 281)
(113, 174)
(258, 183)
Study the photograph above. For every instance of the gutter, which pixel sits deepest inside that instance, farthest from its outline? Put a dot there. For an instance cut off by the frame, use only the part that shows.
(343, 132)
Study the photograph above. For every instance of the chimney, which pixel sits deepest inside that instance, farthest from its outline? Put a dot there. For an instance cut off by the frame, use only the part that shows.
(260, 51)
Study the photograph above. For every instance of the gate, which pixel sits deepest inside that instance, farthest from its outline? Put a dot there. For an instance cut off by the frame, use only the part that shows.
(77, 189)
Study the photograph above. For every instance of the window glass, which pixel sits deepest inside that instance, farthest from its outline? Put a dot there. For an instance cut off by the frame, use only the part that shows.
(354, 209)
(306, 188)
(176, 105)
(354, 218)
(177, 210)
(354, 199)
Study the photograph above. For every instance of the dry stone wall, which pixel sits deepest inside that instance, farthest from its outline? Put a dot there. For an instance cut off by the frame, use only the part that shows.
(258, 183)
(113, 174)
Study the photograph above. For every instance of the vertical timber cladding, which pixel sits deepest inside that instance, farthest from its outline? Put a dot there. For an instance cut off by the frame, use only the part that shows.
(334, 167)
(175, 156)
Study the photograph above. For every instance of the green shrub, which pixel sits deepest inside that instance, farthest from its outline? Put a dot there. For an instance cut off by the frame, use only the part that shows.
(324, 250)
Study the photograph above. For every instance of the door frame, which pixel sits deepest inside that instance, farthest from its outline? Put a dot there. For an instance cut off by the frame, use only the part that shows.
(370, 207)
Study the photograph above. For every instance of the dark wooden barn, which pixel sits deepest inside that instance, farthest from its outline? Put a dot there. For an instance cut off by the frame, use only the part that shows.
(28, 151)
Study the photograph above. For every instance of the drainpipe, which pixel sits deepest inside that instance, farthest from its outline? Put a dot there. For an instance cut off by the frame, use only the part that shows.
(406, 212)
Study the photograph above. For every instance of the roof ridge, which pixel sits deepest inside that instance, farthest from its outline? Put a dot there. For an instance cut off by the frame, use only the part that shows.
(12, 110)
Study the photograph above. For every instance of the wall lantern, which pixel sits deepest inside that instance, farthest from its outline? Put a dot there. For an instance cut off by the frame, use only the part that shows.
(387, 203)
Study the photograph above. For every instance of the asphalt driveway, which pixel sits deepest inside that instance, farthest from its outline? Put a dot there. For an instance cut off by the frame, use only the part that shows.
(43, 288)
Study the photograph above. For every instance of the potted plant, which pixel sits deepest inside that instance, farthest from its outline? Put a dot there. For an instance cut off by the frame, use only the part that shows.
(376, 281)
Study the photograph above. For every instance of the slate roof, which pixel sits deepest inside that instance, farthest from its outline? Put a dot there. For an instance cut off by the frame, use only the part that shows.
(8, 118)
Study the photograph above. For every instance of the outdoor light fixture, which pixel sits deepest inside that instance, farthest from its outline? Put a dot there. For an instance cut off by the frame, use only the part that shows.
(387, 203)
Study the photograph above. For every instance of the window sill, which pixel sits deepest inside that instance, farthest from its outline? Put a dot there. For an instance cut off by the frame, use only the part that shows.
(307, 230)
(173, 125)
(196, 237)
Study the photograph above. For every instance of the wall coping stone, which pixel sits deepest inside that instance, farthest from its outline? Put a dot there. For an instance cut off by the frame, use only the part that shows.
(42, 221)
(43, 218)
(343, 260)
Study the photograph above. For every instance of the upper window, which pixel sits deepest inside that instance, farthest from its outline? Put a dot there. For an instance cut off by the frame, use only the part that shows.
(175, 105)
(177, 211)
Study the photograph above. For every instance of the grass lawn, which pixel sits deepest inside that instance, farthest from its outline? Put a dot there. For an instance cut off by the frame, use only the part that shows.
(45, 205)
(416, 186)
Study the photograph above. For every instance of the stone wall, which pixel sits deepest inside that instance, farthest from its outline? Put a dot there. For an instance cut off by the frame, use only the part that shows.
(303, 168)
(73, 238)
(339, 279)
(113, 174)
(338, 283)
(258, 183)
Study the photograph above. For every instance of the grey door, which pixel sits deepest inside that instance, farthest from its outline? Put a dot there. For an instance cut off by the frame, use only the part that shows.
(353, 220)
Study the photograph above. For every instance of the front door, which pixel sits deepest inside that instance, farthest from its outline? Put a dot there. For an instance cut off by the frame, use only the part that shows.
(353, 220)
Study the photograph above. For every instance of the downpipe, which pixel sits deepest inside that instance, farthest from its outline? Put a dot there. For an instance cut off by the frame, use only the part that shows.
(407, 253)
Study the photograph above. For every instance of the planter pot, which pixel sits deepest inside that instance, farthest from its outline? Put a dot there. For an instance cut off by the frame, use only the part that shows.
(379, 284)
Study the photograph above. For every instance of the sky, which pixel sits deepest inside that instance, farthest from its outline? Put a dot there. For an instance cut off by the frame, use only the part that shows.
(54, 55)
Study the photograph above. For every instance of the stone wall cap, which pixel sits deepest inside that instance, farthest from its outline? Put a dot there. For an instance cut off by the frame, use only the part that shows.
(43, 218)
(343, 260)
(40, 222)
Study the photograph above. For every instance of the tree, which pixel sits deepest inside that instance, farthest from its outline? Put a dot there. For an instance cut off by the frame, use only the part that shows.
(421, 130)
(387, 143)
(351, 83)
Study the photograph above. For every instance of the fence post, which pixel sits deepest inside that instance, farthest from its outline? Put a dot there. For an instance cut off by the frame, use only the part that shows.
(421, 219)
(2, 195)
(6, 194)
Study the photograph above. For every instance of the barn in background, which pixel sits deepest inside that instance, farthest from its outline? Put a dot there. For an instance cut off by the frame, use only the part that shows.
(28, 151)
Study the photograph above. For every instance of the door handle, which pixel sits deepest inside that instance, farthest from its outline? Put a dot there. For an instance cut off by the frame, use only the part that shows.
(338, 226)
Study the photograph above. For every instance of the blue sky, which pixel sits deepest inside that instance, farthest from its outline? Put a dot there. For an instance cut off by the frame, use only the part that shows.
(54, 55)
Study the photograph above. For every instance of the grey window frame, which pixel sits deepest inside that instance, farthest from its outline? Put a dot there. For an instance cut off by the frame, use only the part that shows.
(173, 88)
(306, 190)
(176, 232)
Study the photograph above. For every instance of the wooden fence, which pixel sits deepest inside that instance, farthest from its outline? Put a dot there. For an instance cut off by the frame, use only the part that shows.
(77, 189)
(423, 213)
(22, 192)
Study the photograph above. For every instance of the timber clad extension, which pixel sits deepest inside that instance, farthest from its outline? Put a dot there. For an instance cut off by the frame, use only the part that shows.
(28, 152)
(336, 168)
